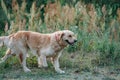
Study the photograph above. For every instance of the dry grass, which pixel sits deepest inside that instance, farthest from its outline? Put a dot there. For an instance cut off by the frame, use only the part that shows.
(96, 29)
(98, 33)
(58, 17)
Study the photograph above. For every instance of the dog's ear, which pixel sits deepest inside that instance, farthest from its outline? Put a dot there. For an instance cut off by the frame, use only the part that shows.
(60, 35)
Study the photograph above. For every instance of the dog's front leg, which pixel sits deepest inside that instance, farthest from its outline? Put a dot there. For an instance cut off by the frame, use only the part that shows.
(56, 63)
(42, 62)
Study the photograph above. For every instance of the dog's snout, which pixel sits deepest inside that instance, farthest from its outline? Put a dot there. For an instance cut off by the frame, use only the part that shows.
(75, 40)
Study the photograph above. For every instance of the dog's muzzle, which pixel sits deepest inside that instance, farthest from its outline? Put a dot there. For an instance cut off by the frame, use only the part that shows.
(71, 43)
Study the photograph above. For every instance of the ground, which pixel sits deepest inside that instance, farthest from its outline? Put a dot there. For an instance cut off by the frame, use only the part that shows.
(16, 73)
(75, 65)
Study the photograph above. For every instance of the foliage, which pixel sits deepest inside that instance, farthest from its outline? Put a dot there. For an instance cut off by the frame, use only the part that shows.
(96, 22)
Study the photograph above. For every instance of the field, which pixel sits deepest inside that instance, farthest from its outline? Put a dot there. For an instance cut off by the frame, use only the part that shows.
(96, 55)
(10, 70)
(76, 66)
(42, 74)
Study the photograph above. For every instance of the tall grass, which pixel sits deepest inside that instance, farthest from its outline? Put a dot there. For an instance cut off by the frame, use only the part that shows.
(96, 29)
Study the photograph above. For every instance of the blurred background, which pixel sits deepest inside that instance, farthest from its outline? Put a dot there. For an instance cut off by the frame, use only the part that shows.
(96, 23)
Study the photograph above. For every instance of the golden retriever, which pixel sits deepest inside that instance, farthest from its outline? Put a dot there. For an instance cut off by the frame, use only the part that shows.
(42, 45)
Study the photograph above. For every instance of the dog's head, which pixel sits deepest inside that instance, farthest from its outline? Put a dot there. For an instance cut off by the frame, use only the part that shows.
(67, 36)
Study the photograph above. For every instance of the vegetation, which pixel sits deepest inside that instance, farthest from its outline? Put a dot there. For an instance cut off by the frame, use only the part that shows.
(96, 23)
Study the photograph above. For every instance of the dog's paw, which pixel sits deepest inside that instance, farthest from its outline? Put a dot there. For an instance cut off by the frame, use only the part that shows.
(40, 66)
(1, 61)
(45, 65)
(60, 71)
(27, 70)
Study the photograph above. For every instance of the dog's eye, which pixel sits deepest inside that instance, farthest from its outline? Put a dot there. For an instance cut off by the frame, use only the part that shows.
(69, 36)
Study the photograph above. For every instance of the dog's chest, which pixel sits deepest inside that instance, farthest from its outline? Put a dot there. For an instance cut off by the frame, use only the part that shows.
(48, 51)
(51, 50)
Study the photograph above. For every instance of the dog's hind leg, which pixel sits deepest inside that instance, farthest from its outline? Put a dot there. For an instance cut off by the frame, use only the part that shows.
(7, 55)
(24, 63)
(23, 57)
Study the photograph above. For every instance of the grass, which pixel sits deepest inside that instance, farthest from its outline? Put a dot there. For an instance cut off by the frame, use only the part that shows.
(76, 67)
(96, 29)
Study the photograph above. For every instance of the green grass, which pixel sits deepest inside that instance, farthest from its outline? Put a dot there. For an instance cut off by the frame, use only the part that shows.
(97, 30)
(76, 67)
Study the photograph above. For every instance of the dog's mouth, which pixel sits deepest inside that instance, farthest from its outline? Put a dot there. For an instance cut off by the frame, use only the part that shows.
(71, 43)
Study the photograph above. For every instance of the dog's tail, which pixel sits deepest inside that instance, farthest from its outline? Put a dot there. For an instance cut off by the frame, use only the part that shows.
(2, 41)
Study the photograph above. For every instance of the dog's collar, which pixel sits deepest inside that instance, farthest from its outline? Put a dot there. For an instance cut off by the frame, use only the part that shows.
(56, 37)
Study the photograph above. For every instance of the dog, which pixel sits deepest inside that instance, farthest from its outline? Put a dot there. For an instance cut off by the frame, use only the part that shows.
(42, 45)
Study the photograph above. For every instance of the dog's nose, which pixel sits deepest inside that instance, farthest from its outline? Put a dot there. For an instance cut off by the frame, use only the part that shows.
(75, 40)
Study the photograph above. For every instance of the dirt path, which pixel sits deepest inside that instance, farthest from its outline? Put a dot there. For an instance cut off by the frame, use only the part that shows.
(71, 74)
